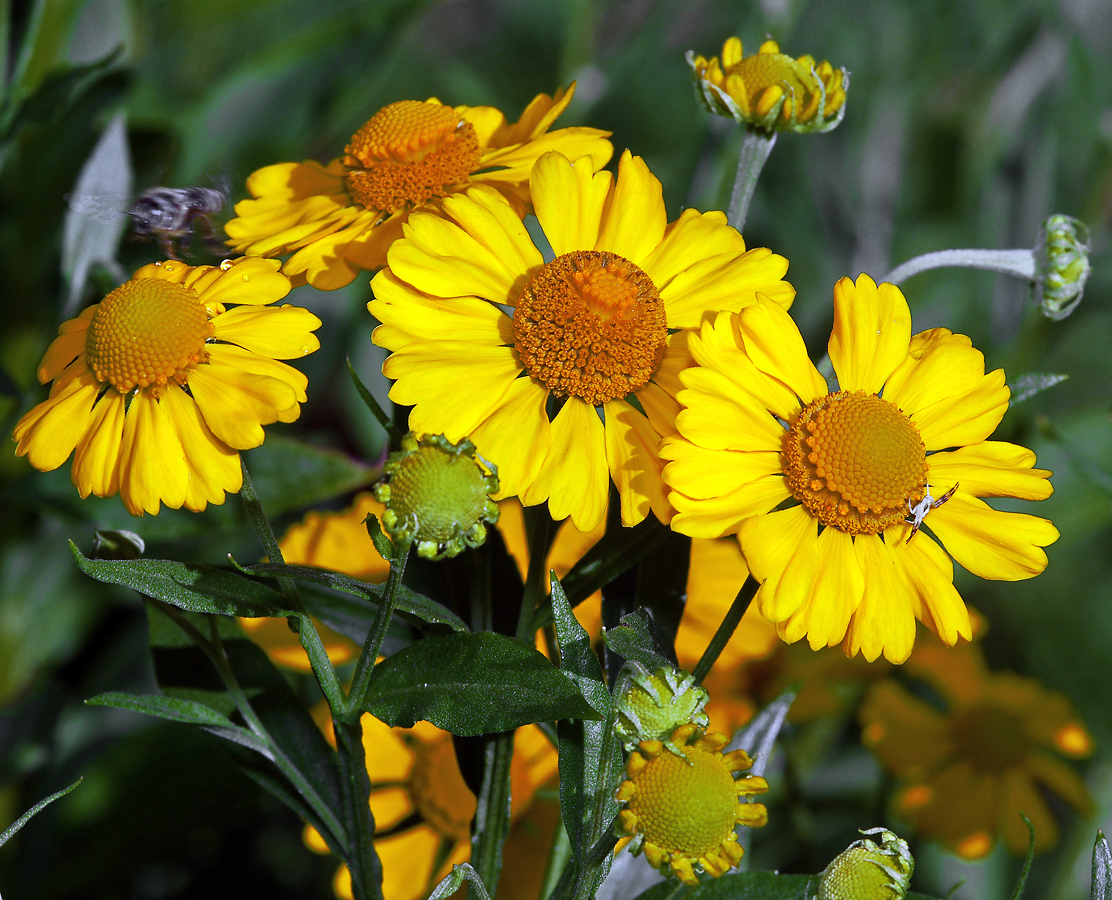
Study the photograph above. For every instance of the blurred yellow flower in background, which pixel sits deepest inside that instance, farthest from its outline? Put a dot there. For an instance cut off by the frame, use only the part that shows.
(770, 91)
(968, 770)
(160, 385)
(843, 563)
(341, 218)
(577, 386)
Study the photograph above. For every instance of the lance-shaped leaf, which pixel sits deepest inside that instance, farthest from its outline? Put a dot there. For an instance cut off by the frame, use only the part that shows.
(473, 684)
(590, 757)
(199, 589)
(639, 639)
(1101, 888)
(10, 831)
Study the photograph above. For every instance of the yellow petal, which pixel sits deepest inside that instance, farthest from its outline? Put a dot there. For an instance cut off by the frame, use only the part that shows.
(999, 545)
(408, 315)
(429, 377)
(48, 433)
(775, 345)
(939, 364)
(407, 862)
(835, 595)
(872, 332)
(926, 567)
(718, 516)
(63, 350)
(282, 333)
(515, 435)
(885, 620)
(285, 182)
(245, 361)
(1019, 795)
(96, 461)
(569, 198)
(781, 551)
(323, 263)
(152, 462)
(634, 219)
(991, 469)
(702, 473)
(966, 418)
(693, 236)
(237, 403)
(213, 466)
(631, 455)
(574, 477)
(252, 281)
(709, 285)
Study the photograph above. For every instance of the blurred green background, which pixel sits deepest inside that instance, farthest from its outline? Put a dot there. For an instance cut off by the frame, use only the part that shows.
(968, 122)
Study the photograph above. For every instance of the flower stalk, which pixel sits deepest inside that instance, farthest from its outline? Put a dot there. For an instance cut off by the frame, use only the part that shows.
(756, 147)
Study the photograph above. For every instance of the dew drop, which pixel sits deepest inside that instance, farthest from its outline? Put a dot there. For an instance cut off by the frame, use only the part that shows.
(246, 277)
(305, 351)
(225, 265)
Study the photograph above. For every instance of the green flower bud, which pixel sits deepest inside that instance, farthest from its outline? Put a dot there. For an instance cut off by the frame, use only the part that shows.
(656, 705)
(437, 495)
(869, 871)
(1061, 265)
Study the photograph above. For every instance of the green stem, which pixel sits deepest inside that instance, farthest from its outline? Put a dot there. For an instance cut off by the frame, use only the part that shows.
(357, 699)
(492, 813)
(1020, 263)
(214, 650)
(306, 629)
(538, 527)
(726, 629)
(363, 863)
(755, 149)
(392, 433)
(558, 858)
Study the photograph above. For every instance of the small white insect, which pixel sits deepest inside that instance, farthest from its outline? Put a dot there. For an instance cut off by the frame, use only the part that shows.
(918, 512)
(163, 213)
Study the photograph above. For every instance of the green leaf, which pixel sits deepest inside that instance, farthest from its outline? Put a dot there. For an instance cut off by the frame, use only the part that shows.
(472, 684)
(1021, 882)
(373, 405)
(639, 640)
(11, 830)
(383, 544)
(193, 588)
(1101, 888)
(409, 603)
(590, 755)
(1026, 386)
(172, 708)
(452, 881)
(291, 474)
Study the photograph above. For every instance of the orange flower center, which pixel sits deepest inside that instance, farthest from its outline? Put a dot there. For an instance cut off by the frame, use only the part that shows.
(442, 798)
(989, 737)
(146, 332)
(590, 325)
(854, 460)
(689, 806)
(408, 153)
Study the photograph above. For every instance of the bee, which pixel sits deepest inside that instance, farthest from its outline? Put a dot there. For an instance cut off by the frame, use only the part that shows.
(917, 512)
(165, 214)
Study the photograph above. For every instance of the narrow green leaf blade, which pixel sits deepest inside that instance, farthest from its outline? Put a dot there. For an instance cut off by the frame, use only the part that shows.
(198, 589)
(10, 831)
(473, 684)
(1101, 888)
(639, 640)
(173, 709)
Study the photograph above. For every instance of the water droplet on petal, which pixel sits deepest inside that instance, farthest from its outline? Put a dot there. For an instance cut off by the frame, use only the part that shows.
(226, 264)
(246, 277)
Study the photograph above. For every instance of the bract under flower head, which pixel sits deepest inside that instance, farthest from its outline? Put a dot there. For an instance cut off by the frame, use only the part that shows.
(770, 91)
(159, 386)
(681, 809)
(869, 870)
(437, 495)
(341, 218)
(656, 705)
(843, 563)
(563, 371)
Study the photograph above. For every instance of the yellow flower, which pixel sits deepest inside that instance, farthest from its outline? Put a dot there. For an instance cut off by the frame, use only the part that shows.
(681, 810)
(760, 428)
(158, 386)
(341, 218)
(968, 771)
(338, 542)
(578, 384)
(770, 91)
(423, 808)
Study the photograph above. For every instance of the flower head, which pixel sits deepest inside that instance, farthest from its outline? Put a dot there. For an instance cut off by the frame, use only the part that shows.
(437, 495)
(841, 562)
(656, 704)
(158, 386)
(1061, 265)
(562, 372)
(341, 218)
(969, 769)
(770, 91)
(681, 810)
(869, 870)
